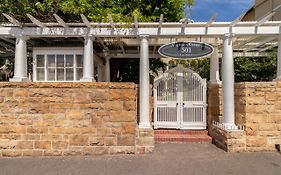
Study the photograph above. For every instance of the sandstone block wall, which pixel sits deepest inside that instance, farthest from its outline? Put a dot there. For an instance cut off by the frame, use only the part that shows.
(262, 116)
(258, 109)
(214, 104)
(63, 119)
(230, 141)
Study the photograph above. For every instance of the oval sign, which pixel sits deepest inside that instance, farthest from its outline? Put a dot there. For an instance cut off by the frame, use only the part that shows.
(186, 50)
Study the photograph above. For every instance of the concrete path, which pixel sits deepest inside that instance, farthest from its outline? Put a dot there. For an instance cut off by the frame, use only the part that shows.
(168, 159)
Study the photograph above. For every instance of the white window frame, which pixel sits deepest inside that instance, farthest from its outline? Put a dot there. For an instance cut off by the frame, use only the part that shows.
(56, 51)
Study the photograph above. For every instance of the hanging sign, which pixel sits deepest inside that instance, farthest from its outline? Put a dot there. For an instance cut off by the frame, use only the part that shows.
(186, 50)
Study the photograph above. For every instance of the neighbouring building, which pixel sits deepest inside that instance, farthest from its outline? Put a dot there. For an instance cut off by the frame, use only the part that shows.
(262, 8)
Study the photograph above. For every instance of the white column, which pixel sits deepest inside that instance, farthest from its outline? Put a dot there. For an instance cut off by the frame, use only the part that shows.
(228, 84)
(144, 83)
(214, 67)
(107, 68)
(278, 78)
(20, 65)
(88, 61)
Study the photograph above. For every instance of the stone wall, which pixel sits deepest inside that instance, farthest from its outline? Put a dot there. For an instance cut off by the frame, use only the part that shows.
(230, 141)
(66, 119)
(258, 109)
(214, 104)
(262, 103)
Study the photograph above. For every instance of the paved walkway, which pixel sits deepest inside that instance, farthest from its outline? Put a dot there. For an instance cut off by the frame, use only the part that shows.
(168, 159)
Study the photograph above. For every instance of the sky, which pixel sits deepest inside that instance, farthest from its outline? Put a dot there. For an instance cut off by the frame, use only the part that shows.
(227, 10)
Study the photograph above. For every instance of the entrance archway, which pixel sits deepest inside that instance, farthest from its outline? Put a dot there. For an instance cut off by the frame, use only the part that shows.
(180, 100)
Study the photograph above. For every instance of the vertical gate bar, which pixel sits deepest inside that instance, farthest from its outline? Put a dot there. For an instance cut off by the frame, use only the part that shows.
(155, 96)
(164, 114)
(180, 86)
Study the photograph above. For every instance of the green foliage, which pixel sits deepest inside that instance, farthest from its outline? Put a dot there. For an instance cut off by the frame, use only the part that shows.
(246, 68)
(256, 69)
(201, 66)
(95, 10)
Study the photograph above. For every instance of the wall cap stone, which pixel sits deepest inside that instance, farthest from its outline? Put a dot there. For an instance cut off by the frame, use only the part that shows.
(96, 85)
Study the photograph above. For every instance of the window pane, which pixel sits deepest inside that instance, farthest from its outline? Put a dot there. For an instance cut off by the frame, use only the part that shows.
(40, 61)
(79, 72)
(69, 60)
(40, 74)
(60, 74)
(60, 60)
(51, 74)
(51, 61)
(69, 74)
(79, 60)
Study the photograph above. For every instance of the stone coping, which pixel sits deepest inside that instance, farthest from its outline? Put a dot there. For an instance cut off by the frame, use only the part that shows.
(95, 85)
(250, 84)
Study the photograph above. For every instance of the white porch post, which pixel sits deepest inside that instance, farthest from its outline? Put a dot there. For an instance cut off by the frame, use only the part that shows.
(214, 67)
(278, 78)
(20, 65)
(107, 68)
(144, 82)
(228, 84)
(88, 61)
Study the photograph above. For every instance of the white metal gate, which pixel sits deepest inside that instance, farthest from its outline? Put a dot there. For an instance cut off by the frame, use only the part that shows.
(180, 100)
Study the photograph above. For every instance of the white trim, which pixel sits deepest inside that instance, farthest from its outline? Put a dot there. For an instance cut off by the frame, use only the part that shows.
(167, 30)
(56, 51)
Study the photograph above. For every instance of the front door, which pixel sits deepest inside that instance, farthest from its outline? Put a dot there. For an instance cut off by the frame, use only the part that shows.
(180, 100)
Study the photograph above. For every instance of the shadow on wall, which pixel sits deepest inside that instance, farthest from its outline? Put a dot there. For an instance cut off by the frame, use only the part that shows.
(214, 103)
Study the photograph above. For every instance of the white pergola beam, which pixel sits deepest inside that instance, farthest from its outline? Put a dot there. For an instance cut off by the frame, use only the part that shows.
(47, 41)
(8, 40)
(136, 23)
(6, 45)
(102, 43)
(60, 21)
(245, 42)
(85, 21)
(118, 54)
(183, 25)
(12, 20)
(237, 20)
(160, 24)
(212, 19)
(121, 45)
(111, 21)
(129, 55)
(276, 8)
(159, 30)
(268, 47)
(194, 30)
(260, 44)
(264, 19)
(35, 21)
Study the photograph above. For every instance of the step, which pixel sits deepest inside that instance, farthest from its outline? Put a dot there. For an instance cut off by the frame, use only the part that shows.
(203, 132)
(182, 136)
